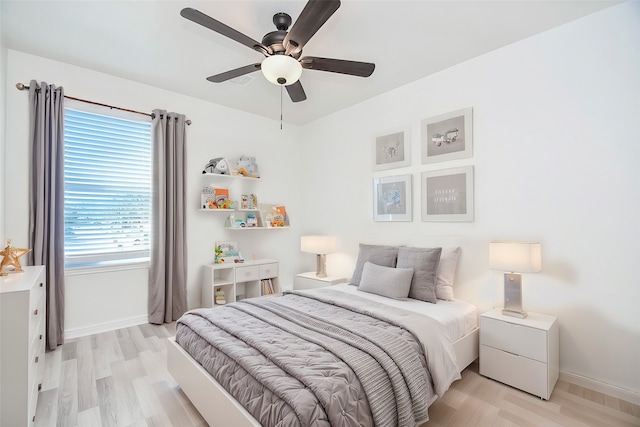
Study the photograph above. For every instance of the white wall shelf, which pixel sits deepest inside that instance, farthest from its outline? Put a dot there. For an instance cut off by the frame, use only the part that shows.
(229, 177)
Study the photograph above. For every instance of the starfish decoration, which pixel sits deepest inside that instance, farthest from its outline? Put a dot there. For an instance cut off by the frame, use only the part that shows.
(11, 258)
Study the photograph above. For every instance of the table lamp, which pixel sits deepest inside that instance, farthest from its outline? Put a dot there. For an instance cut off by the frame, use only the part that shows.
(321, 246)
(514, 258)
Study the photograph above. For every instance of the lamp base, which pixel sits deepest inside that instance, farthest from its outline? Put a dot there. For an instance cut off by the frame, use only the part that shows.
(321, 265)
(512, 313)
(513, 295)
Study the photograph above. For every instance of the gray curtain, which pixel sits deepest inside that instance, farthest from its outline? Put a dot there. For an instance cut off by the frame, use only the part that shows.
(168, 269)
(46, 199)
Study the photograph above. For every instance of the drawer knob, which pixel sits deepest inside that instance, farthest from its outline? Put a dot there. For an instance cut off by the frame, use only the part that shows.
(40, 284)
(40, 336)
(39, 386)
(35, 312)
(37, 359)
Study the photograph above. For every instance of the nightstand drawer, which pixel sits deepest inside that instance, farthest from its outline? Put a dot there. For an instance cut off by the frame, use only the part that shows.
(245, 274)
(517, 371)
(517, 339)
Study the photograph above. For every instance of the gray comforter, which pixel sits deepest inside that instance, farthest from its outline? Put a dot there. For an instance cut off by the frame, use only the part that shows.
(322, 358)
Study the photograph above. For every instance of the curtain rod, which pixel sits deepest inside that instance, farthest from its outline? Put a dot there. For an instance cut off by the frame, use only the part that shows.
(22, 86)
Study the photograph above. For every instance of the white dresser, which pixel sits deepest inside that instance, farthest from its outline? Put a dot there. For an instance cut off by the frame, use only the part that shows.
(522, 353)
(22, 345)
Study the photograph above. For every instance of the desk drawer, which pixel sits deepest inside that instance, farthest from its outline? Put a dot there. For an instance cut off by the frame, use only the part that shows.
(246, 274)
(269, 271)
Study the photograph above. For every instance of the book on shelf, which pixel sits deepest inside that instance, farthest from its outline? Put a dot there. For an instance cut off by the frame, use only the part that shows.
(215, 198)
(267, 287)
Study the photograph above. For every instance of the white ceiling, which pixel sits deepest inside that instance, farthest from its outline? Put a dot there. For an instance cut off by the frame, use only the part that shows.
(149, 42)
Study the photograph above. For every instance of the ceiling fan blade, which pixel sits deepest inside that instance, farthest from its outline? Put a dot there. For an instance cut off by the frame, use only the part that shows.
(352, 68)
(228, 75)
(296, 92)
(312, 17)
(217, 26)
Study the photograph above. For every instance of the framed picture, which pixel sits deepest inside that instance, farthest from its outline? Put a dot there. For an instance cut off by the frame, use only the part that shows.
(227, 252)
(447, 137)
(392, 198)
(447, 195)
(392, 150)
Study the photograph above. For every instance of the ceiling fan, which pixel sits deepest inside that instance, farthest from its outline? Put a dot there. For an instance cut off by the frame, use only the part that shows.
(282, 50)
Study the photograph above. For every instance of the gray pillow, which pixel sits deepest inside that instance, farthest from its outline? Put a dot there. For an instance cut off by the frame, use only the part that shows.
(376, 254)
(424, 262)
(386, 281)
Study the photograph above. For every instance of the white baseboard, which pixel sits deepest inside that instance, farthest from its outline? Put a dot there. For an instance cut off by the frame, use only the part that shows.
(104, 327)
(610, 390)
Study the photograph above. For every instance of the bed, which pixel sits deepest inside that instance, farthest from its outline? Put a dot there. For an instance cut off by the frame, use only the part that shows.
(337, 356)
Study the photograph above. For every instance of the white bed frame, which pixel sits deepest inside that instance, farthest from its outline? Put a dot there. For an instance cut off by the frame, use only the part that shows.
(220, 409)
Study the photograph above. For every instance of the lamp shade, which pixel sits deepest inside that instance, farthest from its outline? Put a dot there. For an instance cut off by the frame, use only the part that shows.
(281, 69)
(317, 244)
(517, 257)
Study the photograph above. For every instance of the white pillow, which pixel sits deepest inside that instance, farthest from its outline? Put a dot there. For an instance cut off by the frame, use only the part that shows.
(446, 273)
(389, 282)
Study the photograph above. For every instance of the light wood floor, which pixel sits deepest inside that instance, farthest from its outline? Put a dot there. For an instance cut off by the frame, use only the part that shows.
(120, 378)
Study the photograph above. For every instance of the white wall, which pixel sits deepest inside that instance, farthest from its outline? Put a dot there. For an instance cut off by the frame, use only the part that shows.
(3, 82)
(97, 301)
(556, 160)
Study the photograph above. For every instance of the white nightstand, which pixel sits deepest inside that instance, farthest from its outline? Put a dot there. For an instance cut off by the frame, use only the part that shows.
(309, 280)
(523, 353)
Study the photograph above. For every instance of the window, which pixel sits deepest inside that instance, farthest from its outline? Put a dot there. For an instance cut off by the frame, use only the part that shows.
(107, 189)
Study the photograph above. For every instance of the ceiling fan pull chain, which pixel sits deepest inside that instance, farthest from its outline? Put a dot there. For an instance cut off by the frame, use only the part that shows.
(281, 86)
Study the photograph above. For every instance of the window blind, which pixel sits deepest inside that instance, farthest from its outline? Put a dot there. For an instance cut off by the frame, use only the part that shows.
(107, 194)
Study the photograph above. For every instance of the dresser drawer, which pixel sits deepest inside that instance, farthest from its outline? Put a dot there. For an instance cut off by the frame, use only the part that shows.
(36, 308)
(245, 274)
(517, 371)
(517, 339)
(268, 271)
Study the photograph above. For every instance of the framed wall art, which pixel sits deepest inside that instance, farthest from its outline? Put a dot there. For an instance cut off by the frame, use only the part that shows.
(447, 194)
(392, 150)
(447, 137)
(392, 198)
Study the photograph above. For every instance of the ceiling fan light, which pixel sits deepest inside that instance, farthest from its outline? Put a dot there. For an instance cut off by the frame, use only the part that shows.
(281, 69)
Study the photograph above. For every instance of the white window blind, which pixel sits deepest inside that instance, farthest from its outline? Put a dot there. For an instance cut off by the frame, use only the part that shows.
(107, 193)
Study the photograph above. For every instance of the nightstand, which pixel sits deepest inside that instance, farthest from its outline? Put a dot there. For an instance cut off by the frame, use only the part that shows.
(522, 353)
(309, 280)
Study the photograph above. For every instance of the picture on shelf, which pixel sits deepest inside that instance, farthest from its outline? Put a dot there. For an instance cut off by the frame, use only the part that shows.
(249, 201)
(274, 216)
(226, 252)
(208, 198)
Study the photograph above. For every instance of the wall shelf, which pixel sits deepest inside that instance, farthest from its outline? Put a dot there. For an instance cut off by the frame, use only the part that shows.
(230, 177)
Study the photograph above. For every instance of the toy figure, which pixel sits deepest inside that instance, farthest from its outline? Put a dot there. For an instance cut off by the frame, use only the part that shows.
(219, 165)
